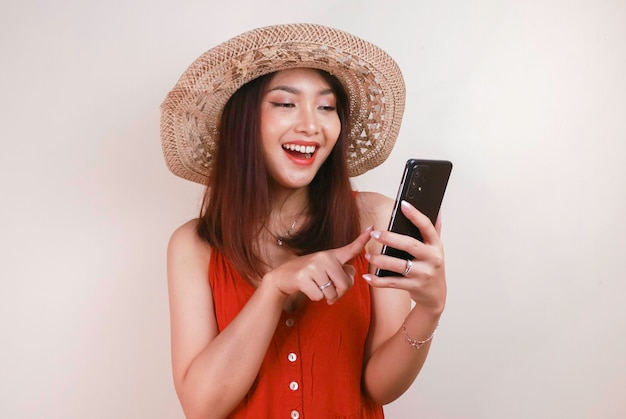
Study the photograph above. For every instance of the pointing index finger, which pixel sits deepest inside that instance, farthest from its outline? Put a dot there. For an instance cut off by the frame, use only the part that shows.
(350, 250)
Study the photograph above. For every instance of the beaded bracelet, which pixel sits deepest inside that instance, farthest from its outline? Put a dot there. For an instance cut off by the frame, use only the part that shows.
(417, 344)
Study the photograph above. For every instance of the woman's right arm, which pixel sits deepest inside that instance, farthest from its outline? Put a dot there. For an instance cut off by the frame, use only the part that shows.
(213, 372)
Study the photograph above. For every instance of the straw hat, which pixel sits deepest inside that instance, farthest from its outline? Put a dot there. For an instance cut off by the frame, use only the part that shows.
(192, 110)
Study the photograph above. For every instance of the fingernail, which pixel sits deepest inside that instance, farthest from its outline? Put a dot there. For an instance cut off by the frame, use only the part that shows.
(368, 256)
(375, 234)
(367, 277)
(405, 204)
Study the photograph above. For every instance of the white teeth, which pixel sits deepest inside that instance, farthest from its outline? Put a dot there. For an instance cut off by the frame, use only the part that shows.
(309, 149)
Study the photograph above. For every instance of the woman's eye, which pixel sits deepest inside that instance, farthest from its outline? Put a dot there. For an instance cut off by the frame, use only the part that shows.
(283, 104)
(328, 108)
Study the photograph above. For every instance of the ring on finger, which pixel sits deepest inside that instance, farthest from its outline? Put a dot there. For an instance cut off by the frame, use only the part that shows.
(409, 266)
(326, 285)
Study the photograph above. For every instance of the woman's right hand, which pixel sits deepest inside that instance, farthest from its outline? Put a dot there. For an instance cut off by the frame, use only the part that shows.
(319, 275)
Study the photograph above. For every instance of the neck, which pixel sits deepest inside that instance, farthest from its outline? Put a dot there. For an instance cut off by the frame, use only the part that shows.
(290, 203)
(288, 214)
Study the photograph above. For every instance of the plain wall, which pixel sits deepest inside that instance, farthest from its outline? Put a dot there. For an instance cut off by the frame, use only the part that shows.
(527, 98)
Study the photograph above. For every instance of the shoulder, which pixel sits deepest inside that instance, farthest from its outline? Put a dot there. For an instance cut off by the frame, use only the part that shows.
(185, 247)
(186, 235)
(374, 209)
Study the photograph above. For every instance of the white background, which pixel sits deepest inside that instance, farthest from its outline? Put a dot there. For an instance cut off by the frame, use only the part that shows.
(527, 98)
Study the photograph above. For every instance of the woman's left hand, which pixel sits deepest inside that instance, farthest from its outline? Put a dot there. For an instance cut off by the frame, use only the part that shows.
(426, 279)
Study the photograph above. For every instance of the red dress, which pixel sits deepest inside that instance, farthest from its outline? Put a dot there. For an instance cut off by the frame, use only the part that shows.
(313, 366)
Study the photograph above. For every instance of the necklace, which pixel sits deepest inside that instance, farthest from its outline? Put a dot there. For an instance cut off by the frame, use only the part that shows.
(280, 239)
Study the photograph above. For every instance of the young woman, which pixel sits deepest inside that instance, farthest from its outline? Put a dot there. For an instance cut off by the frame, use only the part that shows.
(275, 308)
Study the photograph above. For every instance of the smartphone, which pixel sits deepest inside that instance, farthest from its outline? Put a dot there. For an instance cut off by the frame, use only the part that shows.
(423, 185)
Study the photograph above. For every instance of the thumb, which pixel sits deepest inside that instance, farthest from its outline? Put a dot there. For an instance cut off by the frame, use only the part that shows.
(350, 250)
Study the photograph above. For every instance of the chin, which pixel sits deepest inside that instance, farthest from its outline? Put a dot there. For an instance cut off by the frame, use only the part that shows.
(297, 183)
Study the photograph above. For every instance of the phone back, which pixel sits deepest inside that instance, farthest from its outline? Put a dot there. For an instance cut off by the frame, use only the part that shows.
(423, 185)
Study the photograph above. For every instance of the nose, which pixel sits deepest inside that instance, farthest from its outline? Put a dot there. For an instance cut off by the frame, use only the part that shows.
(308, 122)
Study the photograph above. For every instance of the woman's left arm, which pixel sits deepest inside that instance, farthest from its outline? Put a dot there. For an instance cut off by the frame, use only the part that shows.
(400, 336)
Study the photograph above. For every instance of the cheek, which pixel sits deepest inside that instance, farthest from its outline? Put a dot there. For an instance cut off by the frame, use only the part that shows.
(268, 127)
(334, 129)
(271, 125)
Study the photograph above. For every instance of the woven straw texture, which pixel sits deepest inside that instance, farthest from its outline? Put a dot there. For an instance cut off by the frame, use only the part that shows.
(192, 110)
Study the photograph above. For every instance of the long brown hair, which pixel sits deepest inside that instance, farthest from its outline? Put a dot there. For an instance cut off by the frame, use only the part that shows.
(238, 198)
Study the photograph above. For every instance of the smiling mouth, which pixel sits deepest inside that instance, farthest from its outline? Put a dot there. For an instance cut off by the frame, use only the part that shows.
(298, 150)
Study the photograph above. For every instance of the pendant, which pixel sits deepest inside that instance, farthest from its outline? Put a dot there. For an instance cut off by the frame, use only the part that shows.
(279, 241)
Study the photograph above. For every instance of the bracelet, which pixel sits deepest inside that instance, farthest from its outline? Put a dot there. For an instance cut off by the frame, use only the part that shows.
(417, 344)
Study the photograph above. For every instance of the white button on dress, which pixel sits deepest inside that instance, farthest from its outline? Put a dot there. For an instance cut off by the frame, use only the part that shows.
(295, 414)
(290, 322)
(292, 357)
(293, 386)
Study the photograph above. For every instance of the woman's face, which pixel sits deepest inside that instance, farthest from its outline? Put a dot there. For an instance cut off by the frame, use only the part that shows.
(299, 126)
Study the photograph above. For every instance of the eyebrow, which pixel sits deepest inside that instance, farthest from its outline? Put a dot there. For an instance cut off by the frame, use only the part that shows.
(293, 90)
